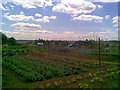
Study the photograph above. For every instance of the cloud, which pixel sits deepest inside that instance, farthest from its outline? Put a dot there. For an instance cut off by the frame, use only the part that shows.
(67, 32)
(25, 35)
(74, 7)
(116, 23)
(106, 34)
(20, 17)
(105, 1)
(84, 17)
(46, 19)
(107, 17)
(33, 3)
(52, 17)
(38, 15)
(11, 7)
(1, 7)
(26, 26)
(26, 31)
(66, 35)
(99, 6)
(1, 23)
(118, 29)
(116, 19)
(22, 13)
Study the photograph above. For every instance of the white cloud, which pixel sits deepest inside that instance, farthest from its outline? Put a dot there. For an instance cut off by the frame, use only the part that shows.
(20, 17)
(22, 13)
(25, 35)
(52, 17)
(1, 7)
(33, 3)
(9, 7)
(104, 1)
(116, 19)
(118, 29)
(26, 26)
(99, 6)
(116, 23)
(5, 7)
(67, 35)
(74, 7)
(107, 17)
(106, 34)
(84, 17)
(12, 7)
(46, 19)
(61, 8)
(1, 23)
(38, 15)
(26, 31)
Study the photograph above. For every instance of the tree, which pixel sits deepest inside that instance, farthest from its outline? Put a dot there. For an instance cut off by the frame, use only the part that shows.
(36, 41)
(4, 38)
(12, 41)
(40, 40)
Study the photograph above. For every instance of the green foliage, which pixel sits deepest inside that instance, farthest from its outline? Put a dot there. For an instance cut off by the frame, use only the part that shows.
(10, 50)
(12, 41)
(39, 41)
(6, 40)
(83, 85)
(98, 79)
(36, 70)
(48, 85)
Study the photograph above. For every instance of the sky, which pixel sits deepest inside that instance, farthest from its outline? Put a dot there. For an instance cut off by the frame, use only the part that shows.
(60, 19)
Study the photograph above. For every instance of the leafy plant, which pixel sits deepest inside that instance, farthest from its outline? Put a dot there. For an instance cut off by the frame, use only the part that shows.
(83, 85)
(36, 70)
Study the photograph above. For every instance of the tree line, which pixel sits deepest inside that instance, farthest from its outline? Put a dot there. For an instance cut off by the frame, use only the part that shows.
(5, 40)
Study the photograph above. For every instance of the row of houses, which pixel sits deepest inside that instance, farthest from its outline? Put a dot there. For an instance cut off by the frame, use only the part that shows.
(61, 43)
(53, 42)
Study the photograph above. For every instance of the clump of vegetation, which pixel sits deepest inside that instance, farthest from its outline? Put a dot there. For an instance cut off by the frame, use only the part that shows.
(36, 70)
(58, 84)
(10, 47)
(89, 75)
(83, 85)
(48, 85)
(79, 78)
(98, 79)
(73, 80)
(6, 40)
(68, 82)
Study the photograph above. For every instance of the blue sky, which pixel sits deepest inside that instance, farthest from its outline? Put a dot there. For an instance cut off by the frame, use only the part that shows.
(66, 19)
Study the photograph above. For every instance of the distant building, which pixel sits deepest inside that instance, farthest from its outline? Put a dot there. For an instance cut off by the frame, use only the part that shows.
(40, 44)
(70, 45)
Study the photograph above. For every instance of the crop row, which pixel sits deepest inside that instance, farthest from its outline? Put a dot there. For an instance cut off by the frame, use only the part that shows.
(10, 52)
(93, 79)
(36, 70)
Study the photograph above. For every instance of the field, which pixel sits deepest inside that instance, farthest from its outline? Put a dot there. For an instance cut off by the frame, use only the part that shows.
(33, 66)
